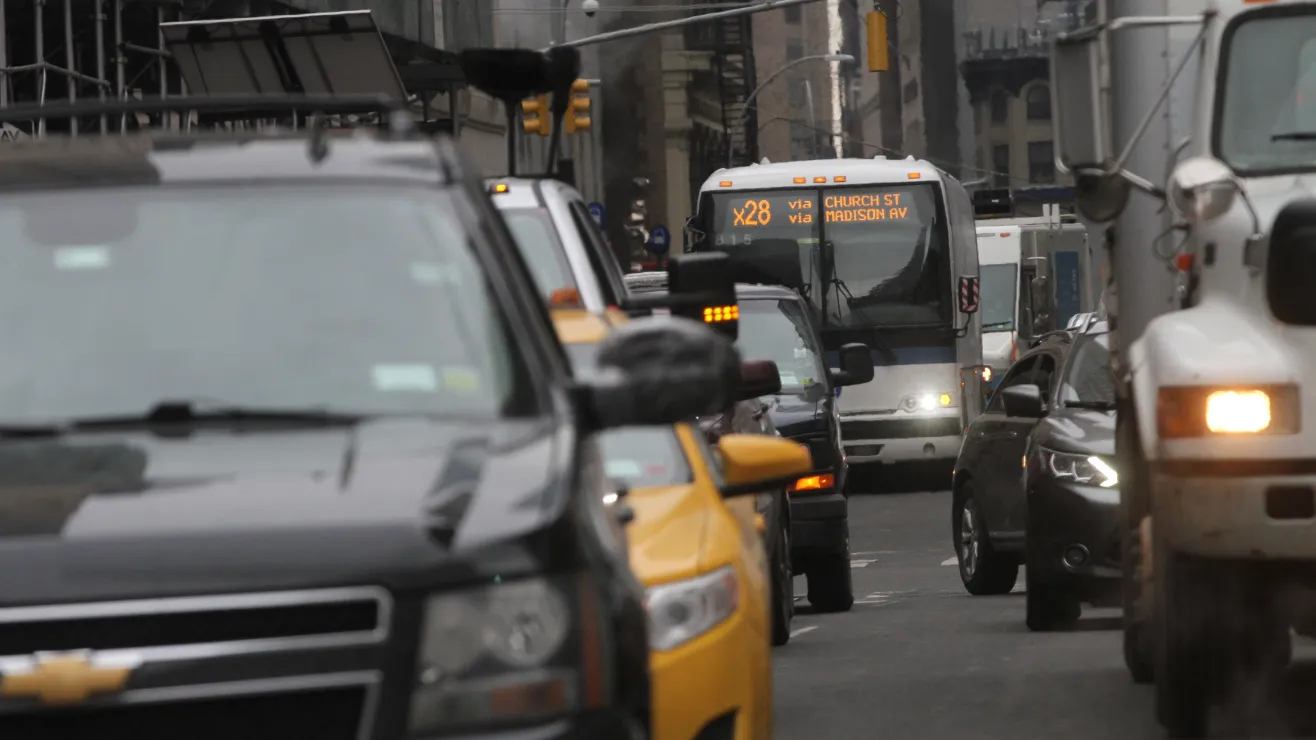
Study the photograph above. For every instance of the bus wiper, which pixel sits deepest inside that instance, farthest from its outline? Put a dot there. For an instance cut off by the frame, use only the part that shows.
(997, 325)
(1093, 405)
(1294, 136)
(182, 413)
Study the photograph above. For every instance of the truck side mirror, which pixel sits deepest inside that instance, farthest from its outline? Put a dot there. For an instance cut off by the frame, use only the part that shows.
(1080, 111)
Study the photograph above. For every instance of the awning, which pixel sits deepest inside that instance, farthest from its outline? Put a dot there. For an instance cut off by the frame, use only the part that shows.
(339, 53)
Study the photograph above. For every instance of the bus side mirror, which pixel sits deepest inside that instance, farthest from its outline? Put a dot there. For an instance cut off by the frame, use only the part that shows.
(704, 290)
(968, 294)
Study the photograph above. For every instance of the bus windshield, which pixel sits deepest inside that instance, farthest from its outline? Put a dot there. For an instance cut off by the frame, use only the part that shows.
(865, 256)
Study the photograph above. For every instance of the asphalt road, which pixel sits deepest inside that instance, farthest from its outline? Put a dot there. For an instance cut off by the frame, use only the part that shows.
(917, 657)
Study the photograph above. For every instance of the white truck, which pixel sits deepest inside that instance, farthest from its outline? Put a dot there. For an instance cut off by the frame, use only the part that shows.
(1213, 113)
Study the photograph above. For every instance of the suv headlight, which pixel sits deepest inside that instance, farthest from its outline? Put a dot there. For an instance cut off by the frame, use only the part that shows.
(681, 611)
(506, 652)
(927, 401)
(1088, 469)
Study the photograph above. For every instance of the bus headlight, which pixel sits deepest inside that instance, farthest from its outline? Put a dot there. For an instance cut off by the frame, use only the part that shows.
(1183, 412)
(927, 401)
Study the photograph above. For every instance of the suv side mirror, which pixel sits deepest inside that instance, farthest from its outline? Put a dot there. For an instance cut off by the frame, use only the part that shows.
(1023, 401)
(856, 366)
(758, 378)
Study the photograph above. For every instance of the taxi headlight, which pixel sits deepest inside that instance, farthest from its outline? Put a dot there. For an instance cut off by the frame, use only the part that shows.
(927, 401)
(1183, 412)
(1088, 469)
(681, 611)
(507, 652)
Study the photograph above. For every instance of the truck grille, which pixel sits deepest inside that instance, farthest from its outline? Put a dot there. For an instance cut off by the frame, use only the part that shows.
(191, 621)
(322, 714)
(945, 426)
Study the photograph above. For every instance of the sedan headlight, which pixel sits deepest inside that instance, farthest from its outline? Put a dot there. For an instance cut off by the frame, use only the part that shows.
(1088, 469)
(927, 401)
(1183, 412)
(505, 652)
(681, 611)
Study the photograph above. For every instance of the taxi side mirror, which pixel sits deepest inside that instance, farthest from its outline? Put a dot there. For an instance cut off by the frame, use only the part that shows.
(754, 463)
(856, 365)
(758, 378)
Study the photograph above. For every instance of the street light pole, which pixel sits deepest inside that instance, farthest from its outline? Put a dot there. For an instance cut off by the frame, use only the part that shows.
(749, 100)
(648, 28)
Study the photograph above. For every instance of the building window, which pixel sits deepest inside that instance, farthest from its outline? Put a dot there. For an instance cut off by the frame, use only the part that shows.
(1001, 166)
(1000, 107)
(1041, 162)
(799, 88)
(1038, 103)
(794, 49)
(793, 14)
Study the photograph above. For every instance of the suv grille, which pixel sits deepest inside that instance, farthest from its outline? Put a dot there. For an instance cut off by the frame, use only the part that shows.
(945, 426)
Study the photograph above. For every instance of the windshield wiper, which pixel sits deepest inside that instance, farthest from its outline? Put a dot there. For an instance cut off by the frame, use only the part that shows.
(184, 413)
(997, 325)
(1093, 405)
(1294, 136)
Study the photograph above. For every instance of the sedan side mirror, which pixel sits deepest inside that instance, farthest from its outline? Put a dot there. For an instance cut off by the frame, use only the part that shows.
(758, 378)
(755, 463)
(856, 365)
(1024, 401)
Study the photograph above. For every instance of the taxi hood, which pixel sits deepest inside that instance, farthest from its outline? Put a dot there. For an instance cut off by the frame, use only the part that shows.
(668, 536)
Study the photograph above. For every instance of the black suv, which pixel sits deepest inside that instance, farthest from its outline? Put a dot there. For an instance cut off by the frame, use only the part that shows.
(1036, 481)
(290, 447)
(775, 324)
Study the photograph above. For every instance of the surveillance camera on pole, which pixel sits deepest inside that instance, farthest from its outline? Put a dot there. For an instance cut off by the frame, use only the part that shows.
(590, 7)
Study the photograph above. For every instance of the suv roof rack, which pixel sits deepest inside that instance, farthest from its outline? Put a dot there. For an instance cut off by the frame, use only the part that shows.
(1060, 335)
(232, 107)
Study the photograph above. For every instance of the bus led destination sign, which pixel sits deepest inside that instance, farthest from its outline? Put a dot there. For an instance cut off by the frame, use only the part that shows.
(860, 207)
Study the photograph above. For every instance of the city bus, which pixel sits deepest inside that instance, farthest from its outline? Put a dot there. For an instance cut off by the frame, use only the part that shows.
(883, 251)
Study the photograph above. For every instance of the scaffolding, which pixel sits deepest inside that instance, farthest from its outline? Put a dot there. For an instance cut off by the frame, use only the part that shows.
(71, 42)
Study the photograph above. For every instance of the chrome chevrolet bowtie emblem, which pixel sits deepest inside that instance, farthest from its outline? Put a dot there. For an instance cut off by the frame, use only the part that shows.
(63, 678)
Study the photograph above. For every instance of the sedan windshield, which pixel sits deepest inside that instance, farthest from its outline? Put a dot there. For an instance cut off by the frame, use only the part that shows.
(330, 298)
(1088, 380)
(535, 237)
(1267, 109)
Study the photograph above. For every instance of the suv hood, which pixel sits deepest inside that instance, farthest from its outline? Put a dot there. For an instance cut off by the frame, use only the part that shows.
(666, 537)
(397, 502)
(793, 414)
(1080, 430)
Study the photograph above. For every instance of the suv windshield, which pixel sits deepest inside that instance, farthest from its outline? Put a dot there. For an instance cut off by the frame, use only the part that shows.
(639, 457)
(779, 331)
(338, 298)
(1267, 107)
(998, 299)
(532, 228)
(1088, 380)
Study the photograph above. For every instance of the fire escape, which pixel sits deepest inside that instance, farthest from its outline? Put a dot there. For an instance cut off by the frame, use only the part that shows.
(730, 80)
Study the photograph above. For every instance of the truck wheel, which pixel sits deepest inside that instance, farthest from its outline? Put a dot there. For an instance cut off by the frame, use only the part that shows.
(783, 582)
(830, 587)
(1049, 607)
(1133, 500)
(1192, 651)
(984, 571)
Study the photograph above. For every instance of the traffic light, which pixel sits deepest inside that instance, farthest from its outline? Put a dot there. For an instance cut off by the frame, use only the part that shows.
(578, 111)
(535, 116)
(879, 59)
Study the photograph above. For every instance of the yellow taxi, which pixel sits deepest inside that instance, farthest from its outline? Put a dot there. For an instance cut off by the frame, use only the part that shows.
(695, 544)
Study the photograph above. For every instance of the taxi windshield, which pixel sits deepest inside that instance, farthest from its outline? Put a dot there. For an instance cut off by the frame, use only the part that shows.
(532, 228)
(367, 301)
(639, 457)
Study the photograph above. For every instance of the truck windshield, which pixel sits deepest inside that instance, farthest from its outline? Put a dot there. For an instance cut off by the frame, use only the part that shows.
(532, 229)
(1266, 113)
(866, 256)
(342, 299)
(998, 296)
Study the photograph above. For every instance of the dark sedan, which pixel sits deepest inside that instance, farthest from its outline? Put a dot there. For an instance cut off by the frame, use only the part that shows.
(1058, 513)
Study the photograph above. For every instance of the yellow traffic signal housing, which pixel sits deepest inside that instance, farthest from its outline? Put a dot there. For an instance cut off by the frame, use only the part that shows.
(879, 57)
(535, 116)
(578, 112)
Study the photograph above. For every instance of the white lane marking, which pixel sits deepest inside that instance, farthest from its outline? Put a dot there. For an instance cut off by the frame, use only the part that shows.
(861, 563)
(951, 561)
(881, 597)
(802, 630)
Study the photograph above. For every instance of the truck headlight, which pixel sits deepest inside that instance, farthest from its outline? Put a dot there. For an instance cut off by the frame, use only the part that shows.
(505, 652)
(681, 611)
(1088, 469)
(1192, 411)
(927, 401)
